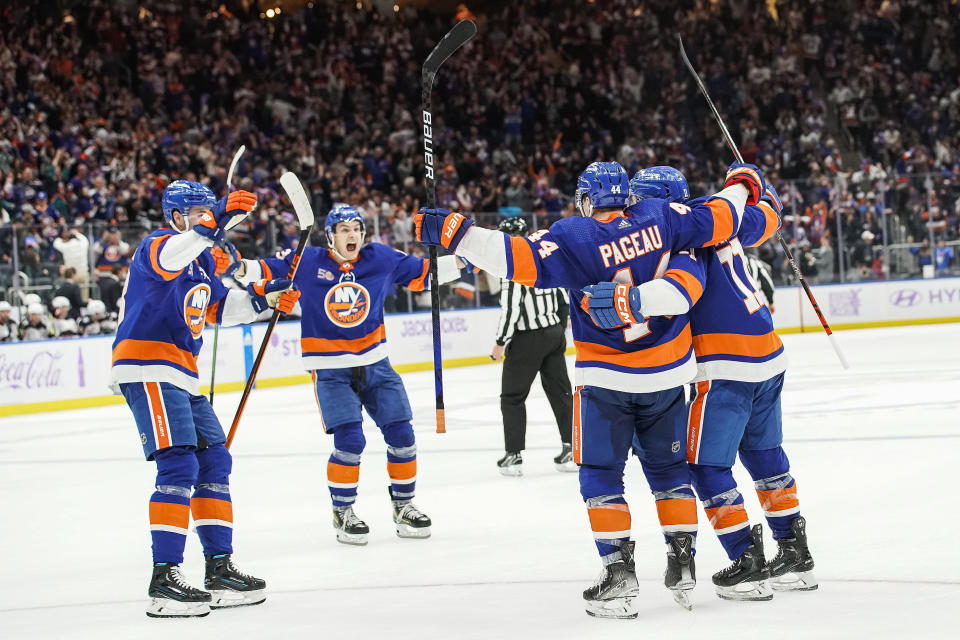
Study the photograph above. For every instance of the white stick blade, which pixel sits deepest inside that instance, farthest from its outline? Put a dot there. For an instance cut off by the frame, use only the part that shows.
(233, 164)
(298, 197)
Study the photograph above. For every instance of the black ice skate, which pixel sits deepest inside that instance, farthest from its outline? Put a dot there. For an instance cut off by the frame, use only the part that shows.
(564, 461)
(172, 597)
(511, 464)
(792, 569)
(681, 574)
(350, 528)
(747, 578)
(230, 587)
(410, 522)
(615, 593)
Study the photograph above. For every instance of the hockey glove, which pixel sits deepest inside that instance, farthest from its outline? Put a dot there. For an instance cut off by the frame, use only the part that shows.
(267, 294)
(750, 176)
(439, 226)
(224, 258)
(771, 197)
(612, 305)
(227, 213)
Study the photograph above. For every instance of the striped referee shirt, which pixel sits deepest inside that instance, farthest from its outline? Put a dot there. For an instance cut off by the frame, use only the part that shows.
(526, 309)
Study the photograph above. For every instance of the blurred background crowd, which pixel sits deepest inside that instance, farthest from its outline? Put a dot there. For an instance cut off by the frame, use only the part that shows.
(851, 107)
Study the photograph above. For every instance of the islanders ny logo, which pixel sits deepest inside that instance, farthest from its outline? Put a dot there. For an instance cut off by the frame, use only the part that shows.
(347, 304)
(195, 308)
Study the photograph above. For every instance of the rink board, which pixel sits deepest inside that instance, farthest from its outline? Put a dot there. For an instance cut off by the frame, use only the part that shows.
(71, 374)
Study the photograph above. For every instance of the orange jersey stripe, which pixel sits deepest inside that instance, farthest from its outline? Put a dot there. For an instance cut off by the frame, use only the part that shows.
(688, 281)
(342, 473)
(212, 312)
(727, 515)
(524, 267)
(779, 499)
(265, 271)
(695, 421)
(677, 511)
(773, 223)
(722, 221)
(158, 413)
(402, 470)
(657, 356)
(736, 344)
(323, 345)
(170, 514)
(155, 259)
(211, 509)
(131, 349)
(611, 517)
(577, 446)
(420, 282)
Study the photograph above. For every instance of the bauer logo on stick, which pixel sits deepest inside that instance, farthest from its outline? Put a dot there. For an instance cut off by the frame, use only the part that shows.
(195, 308)
(347, 304)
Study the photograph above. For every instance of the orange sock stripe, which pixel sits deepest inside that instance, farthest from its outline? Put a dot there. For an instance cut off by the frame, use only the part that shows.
(727, 516)
(402, 470)
(342, 474)
(169, 513)
(779, 499)
(677, 511)
(612, 517)
(211, 509)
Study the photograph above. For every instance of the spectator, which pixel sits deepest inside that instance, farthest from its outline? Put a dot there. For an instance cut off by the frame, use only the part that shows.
(824, 260)
(111, 250)
(37, 325)
(944, 257)
(70, 291)
(923, 254)
(75, 248)
(111, 287)
(8, 326)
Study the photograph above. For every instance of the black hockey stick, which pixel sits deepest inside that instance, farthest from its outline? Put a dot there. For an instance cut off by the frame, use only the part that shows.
(455, 38)
(301, 205)
(783, 243)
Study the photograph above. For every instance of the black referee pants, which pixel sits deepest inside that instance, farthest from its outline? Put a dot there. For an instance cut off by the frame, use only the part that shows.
(531, 352)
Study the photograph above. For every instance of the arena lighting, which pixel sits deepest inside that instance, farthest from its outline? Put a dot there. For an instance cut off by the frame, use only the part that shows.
(270, 13)
(396, 8)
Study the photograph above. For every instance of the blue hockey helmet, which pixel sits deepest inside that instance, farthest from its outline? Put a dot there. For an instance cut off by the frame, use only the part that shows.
(342, 213)
(661, 182)
(606, 183)
(180, 195)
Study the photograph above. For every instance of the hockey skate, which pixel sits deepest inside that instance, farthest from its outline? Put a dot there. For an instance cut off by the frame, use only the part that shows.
(748, 577)
(681, 574)
(172, 597)
(410, 521)
(792, 569)
(230, 587)
(564, 461)
(350, 528)
(511, 464)
(615, 593)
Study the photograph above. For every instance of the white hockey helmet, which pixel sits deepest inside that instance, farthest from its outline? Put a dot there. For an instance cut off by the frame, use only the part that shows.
(95, 307)
(31, 298)
(36, 309)
(60, 302)
(5, 306)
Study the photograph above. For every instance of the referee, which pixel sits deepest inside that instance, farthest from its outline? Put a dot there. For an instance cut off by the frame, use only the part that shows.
(531, 333)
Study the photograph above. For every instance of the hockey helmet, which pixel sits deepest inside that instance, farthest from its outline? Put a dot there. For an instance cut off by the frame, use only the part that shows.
(606, 183)
(180, 195)
(35, 309)
(342, 213)
(60, 302)
(95, 307)
(515, 226)
(661, 182)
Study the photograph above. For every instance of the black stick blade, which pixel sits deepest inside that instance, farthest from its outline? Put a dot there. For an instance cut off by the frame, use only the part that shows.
(455, 38)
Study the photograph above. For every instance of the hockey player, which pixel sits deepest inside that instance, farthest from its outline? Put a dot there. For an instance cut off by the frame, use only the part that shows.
(63, 325)
(735, 405)
(628, 380)
(169, 296)
(343, 342)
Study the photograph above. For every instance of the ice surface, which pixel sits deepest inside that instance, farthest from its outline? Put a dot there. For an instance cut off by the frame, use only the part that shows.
(874, 451)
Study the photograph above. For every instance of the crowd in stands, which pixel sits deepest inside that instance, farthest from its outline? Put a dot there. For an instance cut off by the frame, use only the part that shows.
(102, 104)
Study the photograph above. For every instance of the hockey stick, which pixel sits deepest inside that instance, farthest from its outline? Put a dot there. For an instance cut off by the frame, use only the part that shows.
(216, 327)
(455, 38)
(301, 204)
(783, 243)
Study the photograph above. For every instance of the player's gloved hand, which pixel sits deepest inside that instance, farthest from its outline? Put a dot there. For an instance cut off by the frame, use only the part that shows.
(224, 258)
(267, 294)
(612, 305)
(439, 226)
(771, 197)
(750, 176)
(227, 213)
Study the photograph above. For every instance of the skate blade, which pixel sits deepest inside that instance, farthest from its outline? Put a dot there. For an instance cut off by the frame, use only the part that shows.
(406, 531)
(567, 467)
(746, 591)
(226, 598)
(167, 608)
(795, 581)
(681, 597)
(511, 472)
(356, 539)
(619, 608)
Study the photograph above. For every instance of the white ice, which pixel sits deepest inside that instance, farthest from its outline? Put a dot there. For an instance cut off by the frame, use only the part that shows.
(874, 450)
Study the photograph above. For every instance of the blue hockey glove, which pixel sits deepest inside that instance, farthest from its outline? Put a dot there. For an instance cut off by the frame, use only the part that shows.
(750, 176)
(439, 226)
(771, 197)
(612, 305)
(225, 214)
(267, 294)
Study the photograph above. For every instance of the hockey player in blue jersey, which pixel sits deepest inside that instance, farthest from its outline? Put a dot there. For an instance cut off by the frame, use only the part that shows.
(735, 406)
(629, 379)
(343, 342)
(169, 296)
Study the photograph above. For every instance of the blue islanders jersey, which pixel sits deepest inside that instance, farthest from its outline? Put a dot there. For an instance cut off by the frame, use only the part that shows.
(162, 316)
(733, 334)
(342, 304)
(632, 248)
